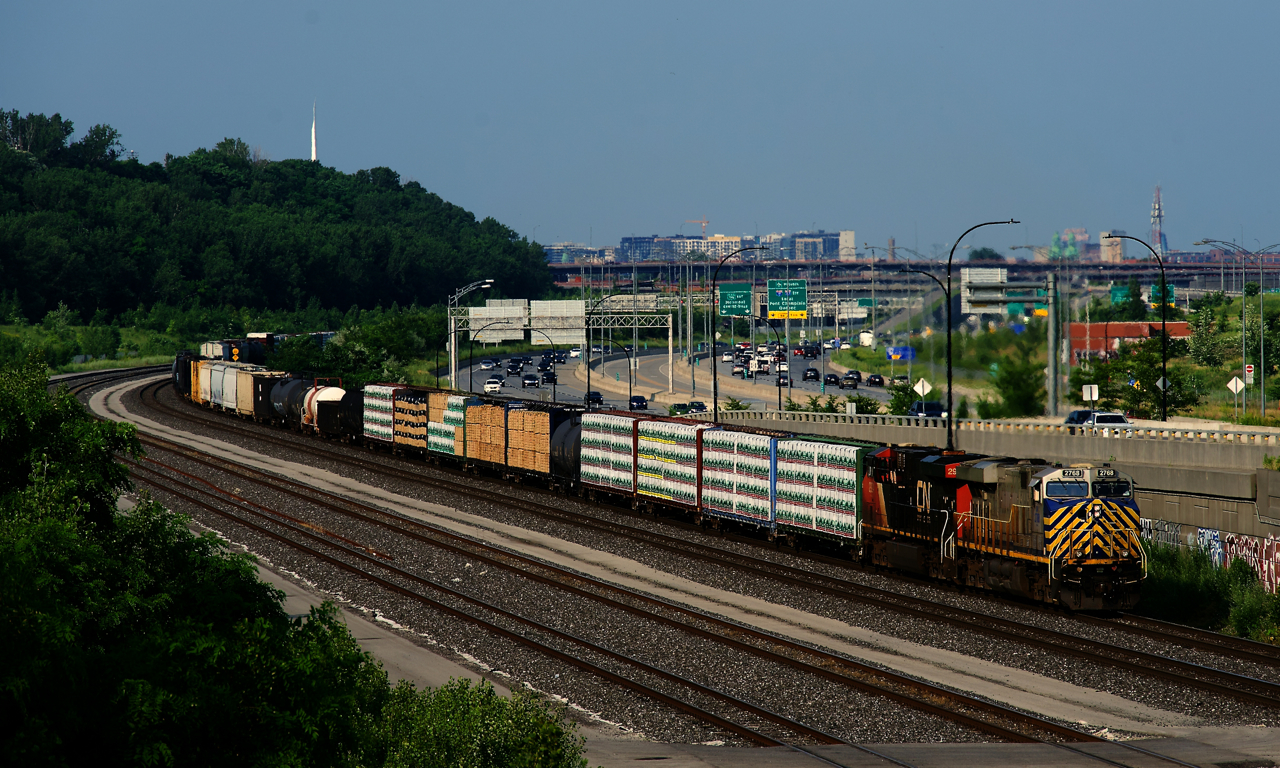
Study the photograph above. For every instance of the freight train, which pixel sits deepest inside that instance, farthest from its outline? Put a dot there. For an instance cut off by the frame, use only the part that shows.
(1026, 527)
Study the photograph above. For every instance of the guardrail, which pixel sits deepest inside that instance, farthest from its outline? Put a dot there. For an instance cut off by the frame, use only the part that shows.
(1130, 432)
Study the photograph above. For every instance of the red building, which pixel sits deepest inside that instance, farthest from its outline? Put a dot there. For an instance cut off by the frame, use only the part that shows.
(1103, 339)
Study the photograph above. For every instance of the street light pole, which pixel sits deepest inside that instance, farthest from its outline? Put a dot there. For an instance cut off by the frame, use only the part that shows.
(715, 308)
(1240, 253)
(1164, 336)
(950, 258)
(586, 398)
(452, 305)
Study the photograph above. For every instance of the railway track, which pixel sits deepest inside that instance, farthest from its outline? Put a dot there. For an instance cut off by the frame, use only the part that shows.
(1173, 670)
(309, 539)
(359, 562)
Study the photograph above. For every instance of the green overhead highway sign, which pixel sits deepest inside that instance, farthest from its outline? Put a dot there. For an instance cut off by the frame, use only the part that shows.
(734, 300)
(788, 299)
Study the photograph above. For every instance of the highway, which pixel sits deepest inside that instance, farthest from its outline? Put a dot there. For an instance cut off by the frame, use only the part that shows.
(610, 379)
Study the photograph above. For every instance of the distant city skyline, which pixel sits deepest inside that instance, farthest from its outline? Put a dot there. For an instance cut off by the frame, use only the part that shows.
(593, 123)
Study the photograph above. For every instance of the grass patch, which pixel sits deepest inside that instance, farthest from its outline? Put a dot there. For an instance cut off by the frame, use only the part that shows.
(1184, 586)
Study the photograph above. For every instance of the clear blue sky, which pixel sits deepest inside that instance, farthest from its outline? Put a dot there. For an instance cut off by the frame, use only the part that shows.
(599, 120)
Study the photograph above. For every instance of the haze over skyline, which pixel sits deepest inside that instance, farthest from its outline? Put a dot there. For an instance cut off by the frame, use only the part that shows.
(591, 122)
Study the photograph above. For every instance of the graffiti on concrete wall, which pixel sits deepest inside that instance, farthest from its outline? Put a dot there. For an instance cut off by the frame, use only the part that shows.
(1263, 555)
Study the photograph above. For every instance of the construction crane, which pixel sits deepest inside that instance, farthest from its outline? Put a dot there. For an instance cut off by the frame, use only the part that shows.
(703, 221)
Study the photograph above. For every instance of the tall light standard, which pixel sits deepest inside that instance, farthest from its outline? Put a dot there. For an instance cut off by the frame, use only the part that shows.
(951, 444)
(1262, 320)
(1164, 336)
(555, 378)
(715, 302)
(454, 298)
(587, 397)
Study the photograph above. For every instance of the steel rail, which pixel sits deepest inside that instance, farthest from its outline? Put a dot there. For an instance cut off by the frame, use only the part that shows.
(499, 557)
(166, 484)
(1250, 689)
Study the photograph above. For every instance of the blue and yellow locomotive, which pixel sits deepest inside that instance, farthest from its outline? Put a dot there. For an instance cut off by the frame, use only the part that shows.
(1059, 535)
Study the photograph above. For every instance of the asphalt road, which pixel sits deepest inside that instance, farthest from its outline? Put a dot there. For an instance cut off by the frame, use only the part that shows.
(652, 377)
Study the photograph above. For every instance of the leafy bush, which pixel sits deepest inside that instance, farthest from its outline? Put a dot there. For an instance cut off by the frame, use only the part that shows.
(1183, 585)
(129, 640)
(734, 404)
(901, 396)
(864, 404)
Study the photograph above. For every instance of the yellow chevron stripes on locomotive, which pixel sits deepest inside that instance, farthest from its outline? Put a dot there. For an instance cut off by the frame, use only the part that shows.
(1105, 526)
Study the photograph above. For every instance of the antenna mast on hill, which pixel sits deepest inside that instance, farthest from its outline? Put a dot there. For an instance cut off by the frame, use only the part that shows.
(1157, 225)
(313, 131)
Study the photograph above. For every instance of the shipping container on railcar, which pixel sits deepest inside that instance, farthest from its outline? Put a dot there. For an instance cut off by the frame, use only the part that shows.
(253, 396)
(668, 452)
(607, 452)
(409, 418)
(1090, 535)
(738, 475)
(379, 412)
(200, 381)
(449, 435)
(486, 432)
(531, 427)
(182, 372)
(817, 491)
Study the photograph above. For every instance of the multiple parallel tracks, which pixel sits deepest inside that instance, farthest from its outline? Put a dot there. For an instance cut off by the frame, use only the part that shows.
(751, 722)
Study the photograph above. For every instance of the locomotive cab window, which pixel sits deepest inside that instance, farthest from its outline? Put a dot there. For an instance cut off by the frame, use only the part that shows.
(1112, 489)
(1068, 488)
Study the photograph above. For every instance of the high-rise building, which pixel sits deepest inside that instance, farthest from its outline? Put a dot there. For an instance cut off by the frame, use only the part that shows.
(848, 245)
(1112, 249)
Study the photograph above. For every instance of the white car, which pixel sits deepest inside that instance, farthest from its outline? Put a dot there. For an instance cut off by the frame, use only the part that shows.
(575, 352)
(486, 365)
(845, 345)
(727, 357)
(493, 387)
(784, 368)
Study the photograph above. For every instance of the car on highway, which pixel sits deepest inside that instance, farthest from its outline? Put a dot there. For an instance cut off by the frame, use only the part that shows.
(784, 366)
(594, 398)
(784, 380)
(928, 408)
(487, 365)
(738, 368)
(516, 362)
(1109, 420)
(492, 388)
(831, 380)
(849, 381)
(902, 378)
(846, 345)
(561, 358)
(875, 380)
(544, 365)
(595, 349)
(1079, 417)
(550, 378)
(514, 370)
(727, 357)
(638, 403)
(697, 406)
(575, 352)
(811, 374)
(678, 409)
(529, 380)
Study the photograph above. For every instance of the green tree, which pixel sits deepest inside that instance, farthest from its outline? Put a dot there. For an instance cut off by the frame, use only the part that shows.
(1020, 380)
(1133, 308)
(901, 396)
(864, 404)
(985, 254)
(1207, 348)
(1252, 289)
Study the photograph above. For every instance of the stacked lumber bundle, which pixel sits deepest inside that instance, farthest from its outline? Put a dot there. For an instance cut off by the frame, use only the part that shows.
(529, 440)
(411, 418)
(437, 404)
(487, 433)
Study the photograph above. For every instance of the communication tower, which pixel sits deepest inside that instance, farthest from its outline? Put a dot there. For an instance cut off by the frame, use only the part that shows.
(1158, 240)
